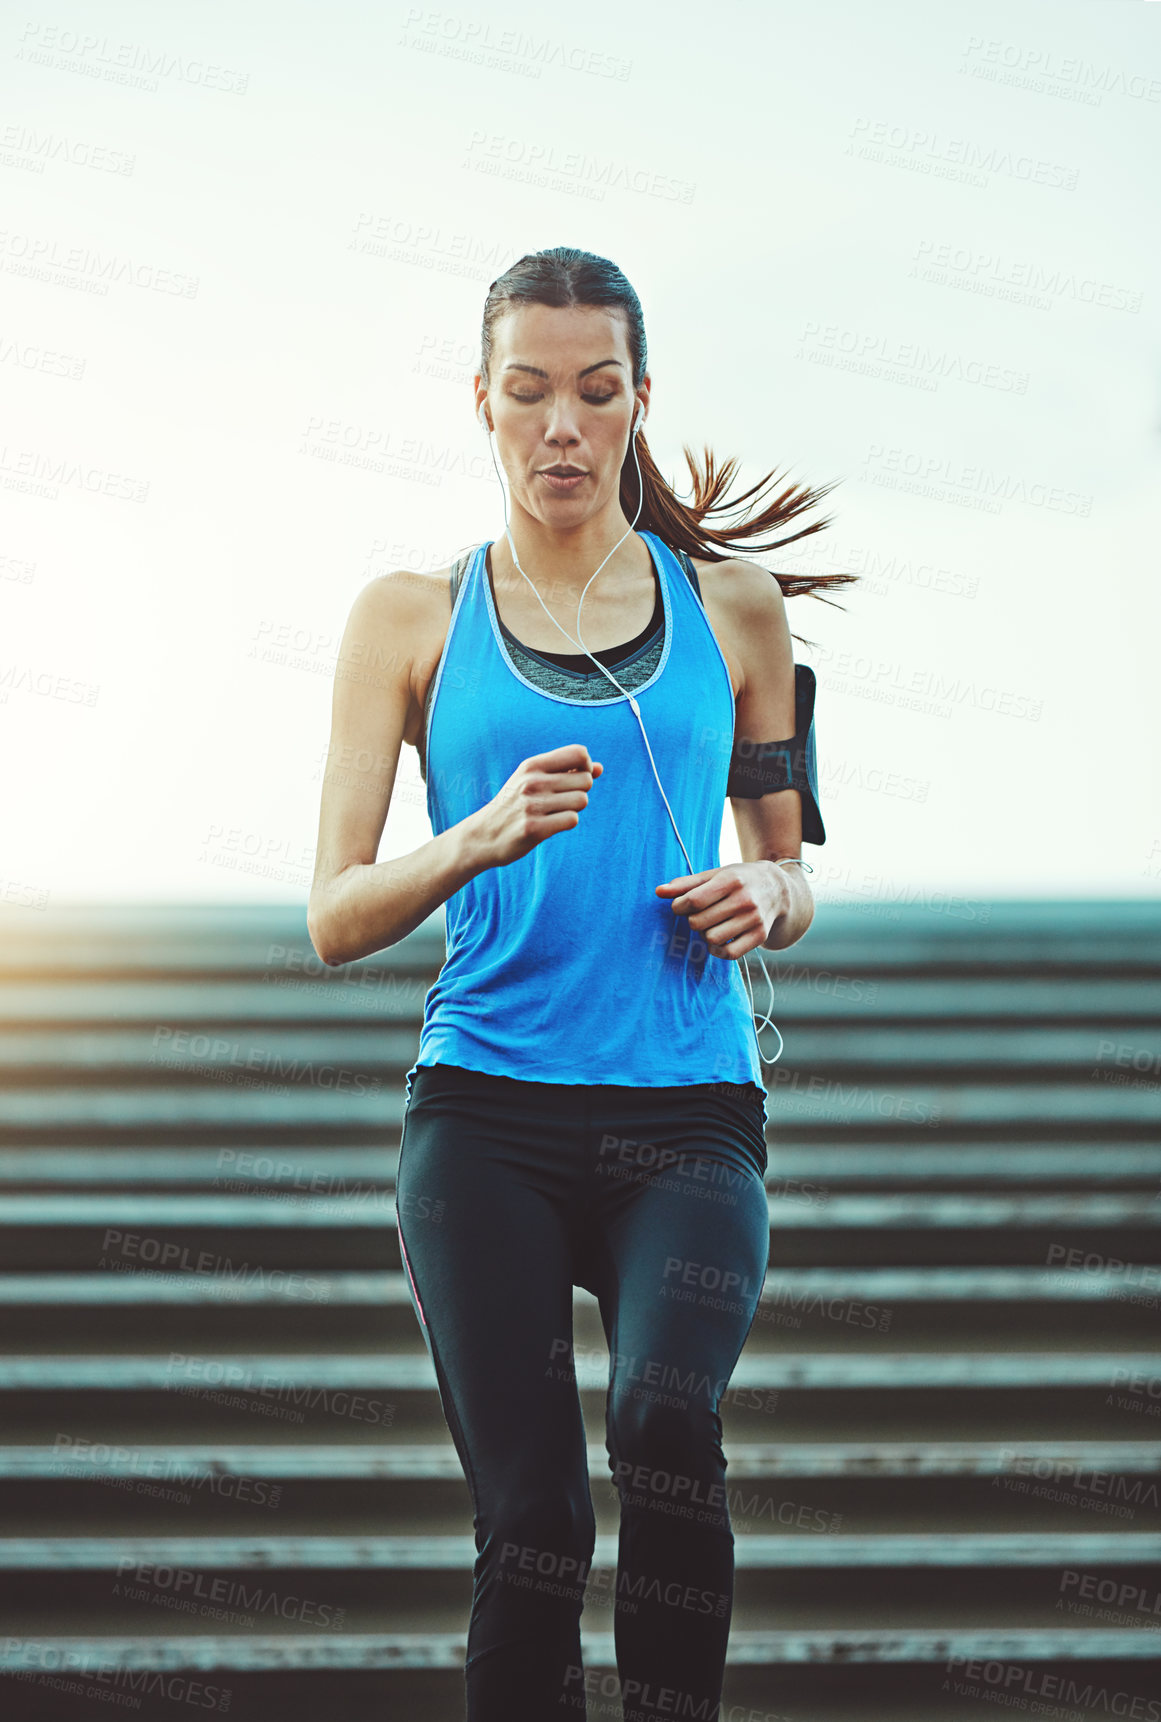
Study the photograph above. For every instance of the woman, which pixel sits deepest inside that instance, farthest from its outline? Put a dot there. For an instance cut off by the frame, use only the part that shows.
(586, 1106)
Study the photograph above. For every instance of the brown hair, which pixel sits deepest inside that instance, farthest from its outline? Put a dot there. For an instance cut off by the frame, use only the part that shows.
(566, 276)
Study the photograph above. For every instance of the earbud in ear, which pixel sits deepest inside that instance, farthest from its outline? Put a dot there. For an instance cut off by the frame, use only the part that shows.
(482, 416)
(639, 420)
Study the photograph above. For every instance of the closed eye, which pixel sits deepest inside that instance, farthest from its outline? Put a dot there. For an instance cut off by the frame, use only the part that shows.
(590, 400)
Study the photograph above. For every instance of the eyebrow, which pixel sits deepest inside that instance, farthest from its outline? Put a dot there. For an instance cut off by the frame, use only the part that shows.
(537, 372)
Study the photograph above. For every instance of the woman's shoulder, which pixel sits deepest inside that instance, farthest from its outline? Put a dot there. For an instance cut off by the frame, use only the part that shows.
(741, 587)
(745, 608)
(396, 629)
(411, 596)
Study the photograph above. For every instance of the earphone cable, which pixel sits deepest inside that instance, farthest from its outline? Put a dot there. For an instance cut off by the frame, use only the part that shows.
(580, 642)
(634, 707)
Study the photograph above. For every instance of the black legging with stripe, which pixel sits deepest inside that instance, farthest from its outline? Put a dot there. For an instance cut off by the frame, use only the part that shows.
(510, 1192)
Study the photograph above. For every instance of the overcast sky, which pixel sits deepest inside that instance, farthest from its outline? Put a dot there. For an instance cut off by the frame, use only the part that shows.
(903, 249)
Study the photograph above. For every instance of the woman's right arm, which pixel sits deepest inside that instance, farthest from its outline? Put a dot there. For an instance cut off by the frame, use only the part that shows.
(359, 905)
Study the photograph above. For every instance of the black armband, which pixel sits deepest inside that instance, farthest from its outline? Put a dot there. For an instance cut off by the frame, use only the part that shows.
(759, 768)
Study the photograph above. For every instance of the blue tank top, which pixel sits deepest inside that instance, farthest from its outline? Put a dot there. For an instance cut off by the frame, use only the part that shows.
(565, 966)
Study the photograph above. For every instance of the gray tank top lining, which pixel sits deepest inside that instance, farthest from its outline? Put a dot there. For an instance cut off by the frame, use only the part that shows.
(573, 685)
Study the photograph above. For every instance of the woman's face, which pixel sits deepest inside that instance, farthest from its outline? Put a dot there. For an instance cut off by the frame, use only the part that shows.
(561, 396)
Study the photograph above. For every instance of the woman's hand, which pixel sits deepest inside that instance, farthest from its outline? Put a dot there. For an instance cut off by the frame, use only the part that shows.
(545, 794)
(734, 908)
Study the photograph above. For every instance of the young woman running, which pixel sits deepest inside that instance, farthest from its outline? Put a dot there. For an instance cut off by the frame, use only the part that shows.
(586, 1106)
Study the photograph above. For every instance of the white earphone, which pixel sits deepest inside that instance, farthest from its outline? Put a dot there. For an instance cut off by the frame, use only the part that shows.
(634, 707)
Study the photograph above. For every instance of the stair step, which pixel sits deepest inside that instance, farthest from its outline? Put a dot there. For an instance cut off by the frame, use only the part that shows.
(268, 1286)
(287, 1372)
(115, 1050)
(794, 1209)
(289, 1172)
(206, 938)
(970, 1163)
(335, 1170)
(797, 1096)
(363, 992)
(73, 1457)
(757, 1549)
(377, 1208)
(1006, 934)
(205, 1106)
(272, 1051)
(792, 1287)
(357, 996)
(335, 1650)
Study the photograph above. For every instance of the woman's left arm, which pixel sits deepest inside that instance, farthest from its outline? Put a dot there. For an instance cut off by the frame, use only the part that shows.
(742, 905)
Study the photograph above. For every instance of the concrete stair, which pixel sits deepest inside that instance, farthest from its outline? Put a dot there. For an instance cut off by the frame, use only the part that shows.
(225, 1479)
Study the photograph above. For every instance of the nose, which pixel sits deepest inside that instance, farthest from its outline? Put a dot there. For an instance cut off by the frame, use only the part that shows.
(561, 429)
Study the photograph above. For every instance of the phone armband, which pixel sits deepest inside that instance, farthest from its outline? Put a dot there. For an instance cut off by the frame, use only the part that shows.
(762, 768)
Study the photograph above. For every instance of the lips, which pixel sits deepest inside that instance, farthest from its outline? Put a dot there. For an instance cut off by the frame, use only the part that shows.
(563, 481)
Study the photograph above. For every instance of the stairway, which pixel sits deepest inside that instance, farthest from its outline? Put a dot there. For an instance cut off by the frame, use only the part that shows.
(225, 1478)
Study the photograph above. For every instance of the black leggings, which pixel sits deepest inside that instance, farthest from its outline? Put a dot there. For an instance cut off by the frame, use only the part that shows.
(509, 1193)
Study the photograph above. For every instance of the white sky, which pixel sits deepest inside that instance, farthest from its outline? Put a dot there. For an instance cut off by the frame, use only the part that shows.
(905, 247)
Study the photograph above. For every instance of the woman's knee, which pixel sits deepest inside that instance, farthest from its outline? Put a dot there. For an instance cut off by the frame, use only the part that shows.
(548, 1530)
(665, 1449)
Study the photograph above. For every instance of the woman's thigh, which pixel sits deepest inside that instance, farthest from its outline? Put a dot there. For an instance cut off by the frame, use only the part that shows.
(684, 1238)
(484, 1196)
